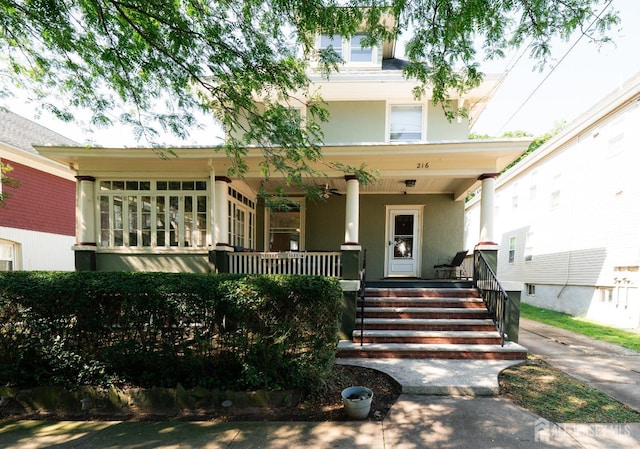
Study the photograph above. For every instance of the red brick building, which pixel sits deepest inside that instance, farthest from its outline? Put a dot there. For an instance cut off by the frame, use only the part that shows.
(37, 224)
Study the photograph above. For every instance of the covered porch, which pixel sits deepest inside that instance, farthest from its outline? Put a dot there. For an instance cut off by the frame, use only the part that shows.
(138, 211)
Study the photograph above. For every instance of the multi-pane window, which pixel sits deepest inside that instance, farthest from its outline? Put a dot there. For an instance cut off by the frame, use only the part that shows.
(242, 220)
(285, 228)
(153, 214)
(405, 123)
(351, 50)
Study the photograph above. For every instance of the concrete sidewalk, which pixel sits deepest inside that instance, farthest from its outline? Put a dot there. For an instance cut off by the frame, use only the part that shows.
(608, 367)
(414, 422)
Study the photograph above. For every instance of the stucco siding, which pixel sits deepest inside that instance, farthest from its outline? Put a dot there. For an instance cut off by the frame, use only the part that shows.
(441, 129)
(172, 263)
(350, 122)
(40, 250)
(325, 222)
(442, 229)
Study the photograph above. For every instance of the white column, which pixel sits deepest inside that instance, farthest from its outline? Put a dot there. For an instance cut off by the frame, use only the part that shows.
(352, 216)
(221, 211)
(86, 232)
(211, 235)
(487, 208)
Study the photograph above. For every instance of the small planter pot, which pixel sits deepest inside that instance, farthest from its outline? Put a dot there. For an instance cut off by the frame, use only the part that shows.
(357, 402)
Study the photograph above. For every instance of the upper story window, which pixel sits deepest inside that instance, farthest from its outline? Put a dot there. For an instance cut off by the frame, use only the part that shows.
(358, 53)
(405, 123)
(153, 213)
(512, 249)
(351, 50)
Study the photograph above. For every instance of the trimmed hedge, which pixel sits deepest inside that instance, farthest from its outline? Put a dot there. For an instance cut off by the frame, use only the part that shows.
(163, 329)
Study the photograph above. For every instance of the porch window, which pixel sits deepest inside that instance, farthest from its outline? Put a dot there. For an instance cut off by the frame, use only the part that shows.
(242, 219)
(405, 123)
(153, 214)
(285, 228)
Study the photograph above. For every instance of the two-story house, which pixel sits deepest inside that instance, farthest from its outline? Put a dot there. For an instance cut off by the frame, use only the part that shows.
(138, 211)
(568, 215)
(38, 222)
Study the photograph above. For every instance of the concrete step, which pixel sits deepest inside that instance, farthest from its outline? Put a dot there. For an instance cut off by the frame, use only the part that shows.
(427, 337)
(510, 351)
(422, 292)
(423, 312)
(436, 324)
(467, 303)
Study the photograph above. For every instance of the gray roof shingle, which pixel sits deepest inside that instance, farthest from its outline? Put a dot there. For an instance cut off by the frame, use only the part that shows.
(23, 134)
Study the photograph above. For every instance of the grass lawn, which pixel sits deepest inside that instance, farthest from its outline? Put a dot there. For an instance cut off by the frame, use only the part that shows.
(627, 339)
(558, 397)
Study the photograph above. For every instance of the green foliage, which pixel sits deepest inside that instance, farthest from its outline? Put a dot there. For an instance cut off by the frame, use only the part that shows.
(626, 339)
(160, 329)
(239, 61)
(5, 180)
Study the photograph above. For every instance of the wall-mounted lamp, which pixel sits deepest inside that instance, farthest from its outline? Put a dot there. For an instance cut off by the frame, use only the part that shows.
(410, 182)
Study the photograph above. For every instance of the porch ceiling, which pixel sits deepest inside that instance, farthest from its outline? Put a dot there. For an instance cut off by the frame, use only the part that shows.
(444, 167)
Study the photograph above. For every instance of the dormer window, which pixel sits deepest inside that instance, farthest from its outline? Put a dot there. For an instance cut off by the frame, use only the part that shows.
(358, 53)
(334, 41)
(351, 50)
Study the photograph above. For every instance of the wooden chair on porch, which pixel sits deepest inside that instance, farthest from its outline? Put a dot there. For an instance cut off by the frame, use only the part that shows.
(452, 270)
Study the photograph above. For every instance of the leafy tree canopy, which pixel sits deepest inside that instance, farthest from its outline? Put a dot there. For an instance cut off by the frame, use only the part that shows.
(161, 61)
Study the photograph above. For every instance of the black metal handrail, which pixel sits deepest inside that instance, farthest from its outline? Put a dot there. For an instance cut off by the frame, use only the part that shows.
(494, 296)
(361, 293)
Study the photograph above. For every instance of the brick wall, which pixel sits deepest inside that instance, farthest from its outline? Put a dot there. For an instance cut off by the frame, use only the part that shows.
(42, 202)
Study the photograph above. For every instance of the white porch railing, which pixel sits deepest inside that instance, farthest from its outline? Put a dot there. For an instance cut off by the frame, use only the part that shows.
(310, 263)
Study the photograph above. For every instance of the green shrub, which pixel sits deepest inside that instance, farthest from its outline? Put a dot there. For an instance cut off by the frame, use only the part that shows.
(161, 329)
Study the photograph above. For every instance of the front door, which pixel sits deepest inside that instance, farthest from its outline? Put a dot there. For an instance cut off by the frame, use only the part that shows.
(403, 241)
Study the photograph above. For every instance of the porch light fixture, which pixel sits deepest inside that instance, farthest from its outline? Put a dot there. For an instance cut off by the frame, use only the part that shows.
(410, 182)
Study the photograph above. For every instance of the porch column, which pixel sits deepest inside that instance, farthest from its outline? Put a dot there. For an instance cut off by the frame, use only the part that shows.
(221, 225)
(352, 216)
(221, 211)
(487, 209)
(86, 247)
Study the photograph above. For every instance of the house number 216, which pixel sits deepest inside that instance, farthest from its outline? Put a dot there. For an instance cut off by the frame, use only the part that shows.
(422, 165)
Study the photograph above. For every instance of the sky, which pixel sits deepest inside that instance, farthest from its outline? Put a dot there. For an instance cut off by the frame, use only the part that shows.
(583, 74)
(580, 75)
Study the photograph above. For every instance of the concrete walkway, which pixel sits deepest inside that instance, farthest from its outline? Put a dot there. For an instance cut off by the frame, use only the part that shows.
(415, 421)
(608, 367)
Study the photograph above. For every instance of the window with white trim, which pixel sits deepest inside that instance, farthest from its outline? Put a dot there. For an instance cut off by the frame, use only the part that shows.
(285, 227)
(405, 123)
(140, 214)
(7, 255)
(242, 220)
(351, 50)
(357, 52)
(512, 249)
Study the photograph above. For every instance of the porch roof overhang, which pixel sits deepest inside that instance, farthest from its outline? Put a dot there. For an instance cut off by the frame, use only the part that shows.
(437, 167)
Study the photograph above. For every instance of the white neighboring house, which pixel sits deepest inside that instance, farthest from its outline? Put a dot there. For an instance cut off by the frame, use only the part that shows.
(567, 217)
(37, 224)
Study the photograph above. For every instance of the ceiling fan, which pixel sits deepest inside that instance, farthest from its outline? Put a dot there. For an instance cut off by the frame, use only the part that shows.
(326, 191)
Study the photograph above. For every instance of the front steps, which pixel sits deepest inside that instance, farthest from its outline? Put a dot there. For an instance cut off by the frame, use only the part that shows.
(426, 323)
